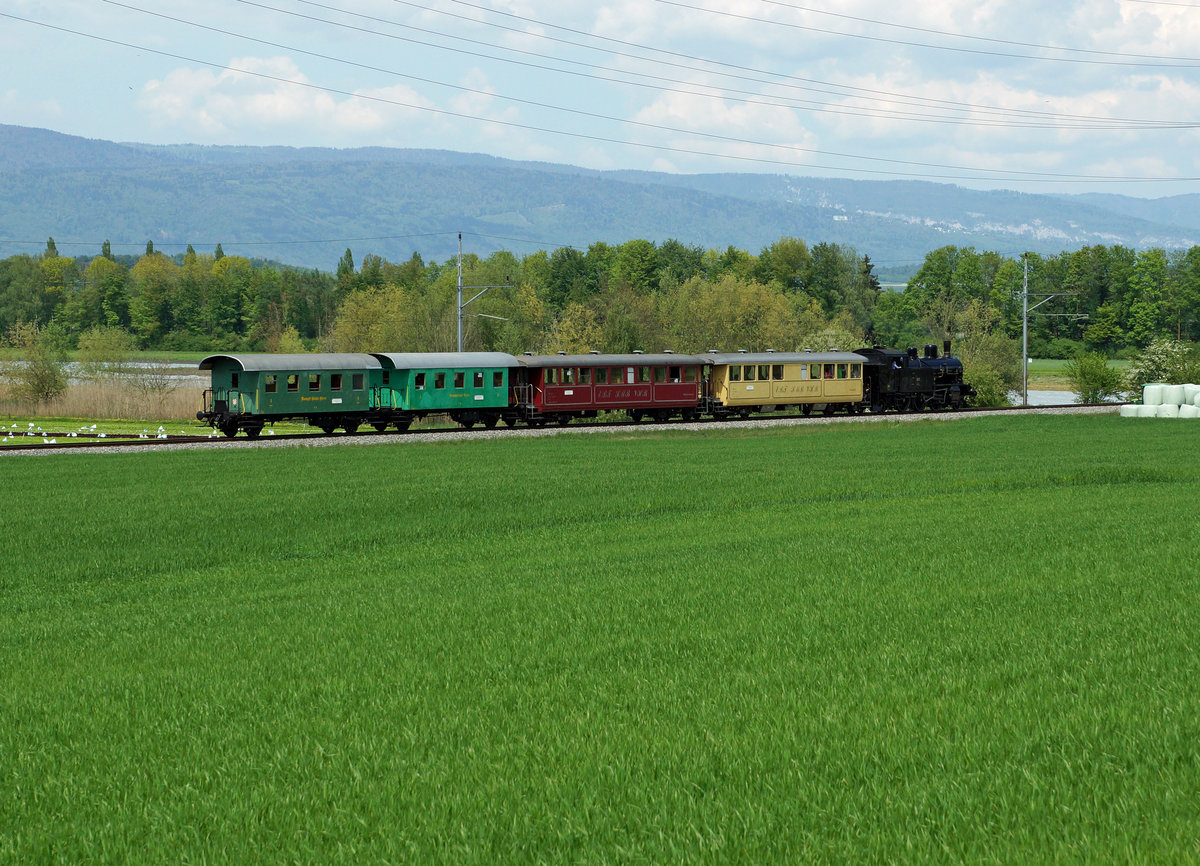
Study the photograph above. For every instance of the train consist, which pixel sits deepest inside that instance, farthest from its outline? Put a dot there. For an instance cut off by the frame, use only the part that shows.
(382, 390)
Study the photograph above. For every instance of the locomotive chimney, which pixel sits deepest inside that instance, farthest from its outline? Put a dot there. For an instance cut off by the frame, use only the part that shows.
(946, 348)
(912, 353)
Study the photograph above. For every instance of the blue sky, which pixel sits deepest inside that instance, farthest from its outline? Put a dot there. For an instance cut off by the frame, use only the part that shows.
(1076, 96)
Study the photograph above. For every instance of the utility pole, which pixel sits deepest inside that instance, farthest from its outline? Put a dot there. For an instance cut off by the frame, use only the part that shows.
(460, 296)
(1025, 332)
(1025, 311)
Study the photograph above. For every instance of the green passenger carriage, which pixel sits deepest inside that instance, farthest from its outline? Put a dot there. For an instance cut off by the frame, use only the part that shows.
(328, 390)
(470, 387)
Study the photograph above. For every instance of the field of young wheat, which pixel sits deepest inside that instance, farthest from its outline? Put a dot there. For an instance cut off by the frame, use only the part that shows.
(919, 641)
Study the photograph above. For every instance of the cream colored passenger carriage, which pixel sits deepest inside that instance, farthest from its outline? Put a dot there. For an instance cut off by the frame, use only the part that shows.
(743, 383)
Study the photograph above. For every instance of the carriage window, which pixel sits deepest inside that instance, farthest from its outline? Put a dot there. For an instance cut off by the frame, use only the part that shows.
(643, 374)
(660, 375)
(419, 382)
(270, 383)
(673, 374)
(439, 380)
(735, 373)
(479, 379)
(585, 375)
(816, 371)
(497, 378)
(804, 371)
(602, 375)
(829, 371)
(233, 382)
(842, 370)
(569, 376)
(550, 377)
(314, 381)
(689, 374)
(293, 382)
(335, 381)
(356, 381)
(748, 372)
(460, 379)
(387, 378)
(618, 376)
(764, 372)
(856, 371)
(777, 372)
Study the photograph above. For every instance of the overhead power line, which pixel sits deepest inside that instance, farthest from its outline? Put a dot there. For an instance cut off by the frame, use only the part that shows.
(1103, 58)
(1133, 59)
(968, 173)
(958, 113)
(779, 79)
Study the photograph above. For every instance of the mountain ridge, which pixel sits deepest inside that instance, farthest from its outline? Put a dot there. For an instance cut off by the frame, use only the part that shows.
(305, 205)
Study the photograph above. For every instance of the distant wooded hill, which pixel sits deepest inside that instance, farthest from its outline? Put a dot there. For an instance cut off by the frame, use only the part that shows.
(305, 206)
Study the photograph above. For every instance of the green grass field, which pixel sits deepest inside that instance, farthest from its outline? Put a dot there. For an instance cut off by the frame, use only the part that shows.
(934, 641)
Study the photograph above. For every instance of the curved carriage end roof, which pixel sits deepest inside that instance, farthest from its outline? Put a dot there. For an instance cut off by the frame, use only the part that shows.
(589, 360)
(443, 360)
(783, 358)
(253, 363)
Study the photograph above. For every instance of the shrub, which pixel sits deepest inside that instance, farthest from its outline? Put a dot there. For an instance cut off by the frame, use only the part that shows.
(40, 375)
(1092, 378)
(105, 352)
(1164, 360)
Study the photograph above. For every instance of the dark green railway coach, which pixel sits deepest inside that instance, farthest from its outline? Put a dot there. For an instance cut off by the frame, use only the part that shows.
(327, 390)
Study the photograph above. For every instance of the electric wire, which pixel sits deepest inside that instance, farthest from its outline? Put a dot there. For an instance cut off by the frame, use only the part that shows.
(1175, 63)
(1003, 117)
(1007, 175)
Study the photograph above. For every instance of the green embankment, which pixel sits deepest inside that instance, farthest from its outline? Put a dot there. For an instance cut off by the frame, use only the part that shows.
(895, 641)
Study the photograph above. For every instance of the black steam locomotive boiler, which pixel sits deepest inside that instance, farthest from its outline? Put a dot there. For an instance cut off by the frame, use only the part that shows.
(906, 382)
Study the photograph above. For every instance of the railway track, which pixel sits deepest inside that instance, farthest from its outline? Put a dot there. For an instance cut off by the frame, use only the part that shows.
(43, 441)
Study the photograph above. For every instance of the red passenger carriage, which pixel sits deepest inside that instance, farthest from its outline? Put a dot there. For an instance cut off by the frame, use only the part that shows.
(557, 388)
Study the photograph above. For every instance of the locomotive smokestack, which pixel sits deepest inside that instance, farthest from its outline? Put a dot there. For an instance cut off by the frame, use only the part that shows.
(946, 348)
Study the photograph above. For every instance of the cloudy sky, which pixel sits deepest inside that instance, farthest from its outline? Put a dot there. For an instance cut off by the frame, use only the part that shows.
(1075, 95)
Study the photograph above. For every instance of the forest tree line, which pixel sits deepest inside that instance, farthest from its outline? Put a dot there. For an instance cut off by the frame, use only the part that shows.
(616, 298)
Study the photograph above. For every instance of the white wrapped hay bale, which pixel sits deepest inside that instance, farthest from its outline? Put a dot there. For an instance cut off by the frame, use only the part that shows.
(1196, 400)
(1190, 392)
(1152, 395)
(1186, 411)
(1129, 410)
(1145, 411)
(1172, 395)
(1168, 410)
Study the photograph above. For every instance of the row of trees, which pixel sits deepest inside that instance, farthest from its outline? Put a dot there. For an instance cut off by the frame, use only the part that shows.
(617, 298)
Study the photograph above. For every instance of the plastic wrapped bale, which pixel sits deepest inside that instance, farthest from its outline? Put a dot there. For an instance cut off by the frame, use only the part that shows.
(1190, 392)
(1172, 395)
(1152, 395)
(1186, 411)
(1145, 411)
(1129, 410)
(1168, 410)
(1196, 400)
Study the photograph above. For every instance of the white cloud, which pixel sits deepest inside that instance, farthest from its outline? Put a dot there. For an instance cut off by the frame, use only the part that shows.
(259, 97)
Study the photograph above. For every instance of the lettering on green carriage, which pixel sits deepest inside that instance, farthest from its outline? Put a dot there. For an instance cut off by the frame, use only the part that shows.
(313, 399)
